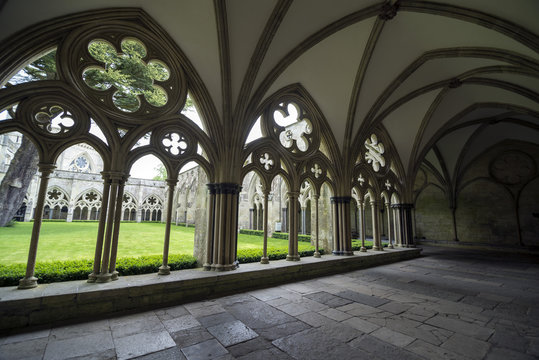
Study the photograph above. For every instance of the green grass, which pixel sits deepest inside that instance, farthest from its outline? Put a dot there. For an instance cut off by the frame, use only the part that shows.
(76, 241)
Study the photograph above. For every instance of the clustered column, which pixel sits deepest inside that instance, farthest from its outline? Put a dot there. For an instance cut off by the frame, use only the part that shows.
(390, 232)
(222, 224)
(109, 228)
(264, 259)
(316, 197)
(293, 254)
(377, 244)
(342, 237)
(362, 227)
(406, 230)
(30, 281)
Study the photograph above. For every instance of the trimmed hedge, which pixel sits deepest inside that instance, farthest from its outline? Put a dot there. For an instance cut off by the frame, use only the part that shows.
(56, 271)
(254, 255)
(281, 235)
(50, 220)
(252, 232)
(183, 224)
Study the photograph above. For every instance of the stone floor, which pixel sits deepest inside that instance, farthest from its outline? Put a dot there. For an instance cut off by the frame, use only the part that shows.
(447, 304)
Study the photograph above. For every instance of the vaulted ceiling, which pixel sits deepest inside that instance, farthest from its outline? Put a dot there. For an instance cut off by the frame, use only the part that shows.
(446, 78)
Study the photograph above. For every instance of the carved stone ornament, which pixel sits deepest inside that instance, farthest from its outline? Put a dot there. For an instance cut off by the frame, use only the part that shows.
(374, 153)
(295, 128)
(53, 119)
(513, 168)
(316, 170)
(266, 161)
(389, 11)
(175, 143)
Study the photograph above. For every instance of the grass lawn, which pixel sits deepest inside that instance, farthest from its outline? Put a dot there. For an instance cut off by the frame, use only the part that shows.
(76, 240)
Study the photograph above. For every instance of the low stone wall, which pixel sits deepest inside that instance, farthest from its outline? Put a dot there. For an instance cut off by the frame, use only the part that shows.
(54, 303)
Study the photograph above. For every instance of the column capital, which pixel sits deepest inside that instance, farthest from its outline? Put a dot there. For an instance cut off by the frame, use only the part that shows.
(46, 169)
(171, 182)
(403, 206)
(293, 194)
(316, 196)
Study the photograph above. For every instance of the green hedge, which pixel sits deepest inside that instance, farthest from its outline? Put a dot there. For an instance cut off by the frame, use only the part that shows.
(281, 235)
(188, 225)
(51, 220)
(254, 255)
(252, 232)
(48, 272)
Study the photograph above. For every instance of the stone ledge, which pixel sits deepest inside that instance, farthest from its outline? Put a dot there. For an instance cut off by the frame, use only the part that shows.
(79, 300)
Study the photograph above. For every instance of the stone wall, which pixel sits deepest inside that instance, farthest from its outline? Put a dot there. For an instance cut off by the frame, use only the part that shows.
(495, 201)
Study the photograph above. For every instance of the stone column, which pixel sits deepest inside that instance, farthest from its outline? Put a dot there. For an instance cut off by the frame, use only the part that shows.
(396, 225)
(116, 230)
(406, 225)
(251, 218)
(224, 232)
(342, 229)
(30, 281)
(303, 220)
(104, 274)
(316, 197)
(284, 225)
(165, 269)
(101, 229)
(210, 227)
(389, 228)
(377, 245)
(362, 226)
(264, 259)
(292, 226)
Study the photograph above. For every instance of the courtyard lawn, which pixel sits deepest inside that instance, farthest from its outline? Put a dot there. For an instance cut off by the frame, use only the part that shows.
(76, 240)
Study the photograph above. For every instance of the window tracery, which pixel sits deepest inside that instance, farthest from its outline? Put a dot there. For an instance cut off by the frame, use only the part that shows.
(374, 154)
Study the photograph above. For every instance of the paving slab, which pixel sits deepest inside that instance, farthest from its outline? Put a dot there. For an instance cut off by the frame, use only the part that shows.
(172, 353)
(461, 327)
(467, 346)
(232, 332)
(181, 323)
(79, 346)
(393, 337)
(508, 354)
(191, 336)
(282, 330)
(143, 343)
(209, 349)
(249, 346)
(382, 349)
(429, 351)
(31, 349)
(361, 325)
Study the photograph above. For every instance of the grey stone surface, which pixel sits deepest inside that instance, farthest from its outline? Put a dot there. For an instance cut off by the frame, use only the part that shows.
(467, 346)
(172, 353)
(282, 330)
(28, 349)
(231, 333)
(382, 349)
(181, 323)
(361, 314)
(209, 349)
(79, 346)
(249, 346)
(142, 343)
(461, 327)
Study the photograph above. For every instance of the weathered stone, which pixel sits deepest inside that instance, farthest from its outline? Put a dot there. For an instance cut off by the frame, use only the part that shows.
(231, 333)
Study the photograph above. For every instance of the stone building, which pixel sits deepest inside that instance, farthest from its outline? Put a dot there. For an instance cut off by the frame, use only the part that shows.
(417, 120)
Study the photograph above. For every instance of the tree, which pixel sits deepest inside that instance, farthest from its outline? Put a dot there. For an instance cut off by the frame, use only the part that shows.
(161, 172)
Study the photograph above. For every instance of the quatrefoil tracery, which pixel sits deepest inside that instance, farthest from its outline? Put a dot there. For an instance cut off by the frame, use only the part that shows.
(294, 127)
(175, 143)
(266, 161)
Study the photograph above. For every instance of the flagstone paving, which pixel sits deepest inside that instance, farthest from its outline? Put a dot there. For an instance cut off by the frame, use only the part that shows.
(447, 304)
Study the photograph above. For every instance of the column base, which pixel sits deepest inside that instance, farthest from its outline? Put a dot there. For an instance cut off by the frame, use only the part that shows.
(363, 249)
(317, 255)
(264, 260)
(104, 278)
(220, 267)
(390, 246)
(292, 257)
(347, 253)
(206, 267)
(376, 248)
(337, 253)
(114, 275)
(27, 283)
(164, 270)
(91, 278)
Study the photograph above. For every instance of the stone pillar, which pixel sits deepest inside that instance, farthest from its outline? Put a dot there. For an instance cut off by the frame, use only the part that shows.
(377, 244)
(316, 197)
(139, 214)
(406, 225)
(224, 226)
(389, 228)
(30, 281)
(342, 231)
(303, 220)
(396, 225)
(284, 226)
(165, 269)
(104, 274)
(101, 229)
(116, 230)
(292, 226)
(251, 218)
(362, 229)
(264, 259)
(69, 213)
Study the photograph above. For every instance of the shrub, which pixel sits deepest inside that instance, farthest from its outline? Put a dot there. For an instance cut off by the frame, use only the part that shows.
(252, 232)
(51, 220)
(254, 255)
(188, 225)
(56, 271)
(281, 235)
